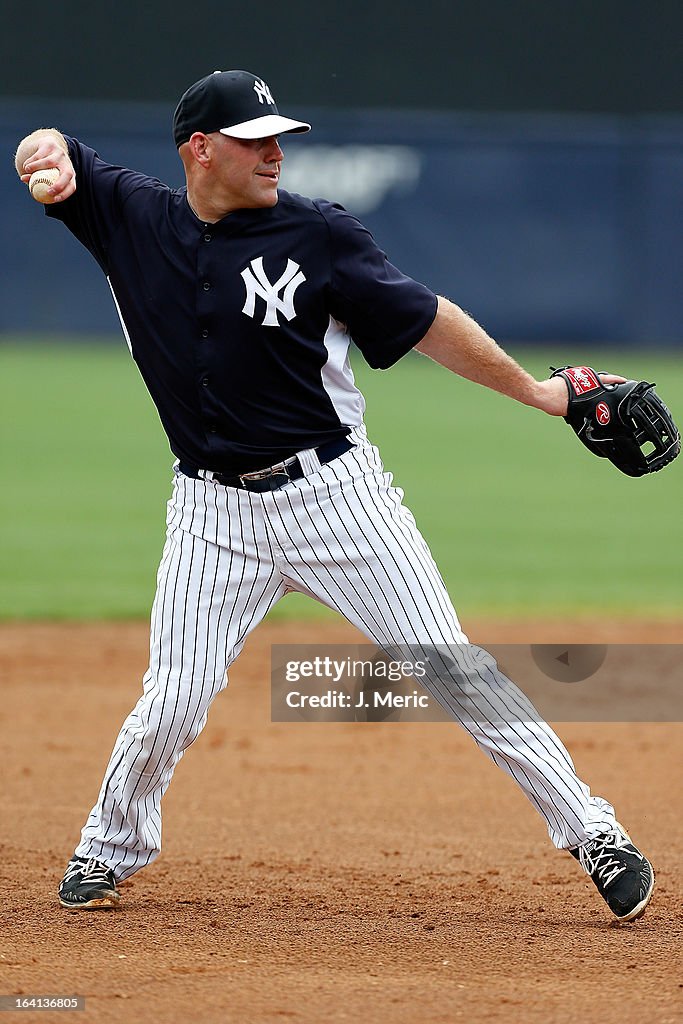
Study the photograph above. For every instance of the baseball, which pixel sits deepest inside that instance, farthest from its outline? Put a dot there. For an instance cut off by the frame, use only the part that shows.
(40, 182)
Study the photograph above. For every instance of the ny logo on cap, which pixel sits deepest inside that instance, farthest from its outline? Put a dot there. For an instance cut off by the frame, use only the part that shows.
(254, 277)
(263, 92)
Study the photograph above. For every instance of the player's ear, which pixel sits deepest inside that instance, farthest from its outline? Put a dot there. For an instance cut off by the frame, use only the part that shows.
(200, 148)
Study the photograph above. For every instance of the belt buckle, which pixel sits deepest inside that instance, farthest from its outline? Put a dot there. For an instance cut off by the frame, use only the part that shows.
(279, 469)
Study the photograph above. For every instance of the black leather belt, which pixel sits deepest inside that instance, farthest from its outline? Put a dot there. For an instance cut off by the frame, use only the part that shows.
(274, 477)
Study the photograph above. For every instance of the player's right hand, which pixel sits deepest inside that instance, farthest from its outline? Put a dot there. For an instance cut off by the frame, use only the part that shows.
(49, 153)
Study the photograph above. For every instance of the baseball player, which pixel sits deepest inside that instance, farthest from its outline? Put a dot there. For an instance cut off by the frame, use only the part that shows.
(239, 302)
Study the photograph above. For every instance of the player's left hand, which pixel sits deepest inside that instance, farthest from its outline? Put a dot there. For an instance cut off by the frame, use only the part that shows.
(552, 393)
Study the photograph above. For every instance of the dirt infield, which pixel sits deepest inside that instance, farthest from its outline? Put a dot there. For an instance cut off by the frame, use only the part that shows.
(329, 872)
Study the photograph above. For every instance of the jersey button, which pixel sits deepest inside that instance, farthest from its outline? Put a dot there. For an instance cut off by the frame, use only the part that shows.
(206, 286)
(205, 382)
(207, 238)
(205, 333)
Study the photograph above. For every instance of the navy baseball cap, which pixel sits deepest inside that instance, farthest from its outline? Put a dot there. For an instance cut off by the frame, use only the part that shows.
(235, 103)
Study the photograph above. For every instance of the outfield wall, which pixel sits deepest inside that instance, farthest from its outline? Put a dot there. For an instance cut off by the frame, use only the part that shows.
(545, 227)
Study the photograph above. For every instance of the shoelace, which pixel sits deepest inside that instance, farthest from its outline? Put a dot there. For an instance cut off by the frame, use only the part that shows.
(597, 859)
(90, 871)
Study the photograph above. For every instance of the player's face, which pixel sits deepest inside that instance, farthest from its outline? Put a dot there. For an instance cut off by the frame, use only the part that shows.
(247, 171)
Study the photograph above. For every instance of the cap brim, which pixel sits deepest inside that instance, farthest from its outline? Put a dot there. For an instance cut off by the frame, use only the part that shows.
(264, 127)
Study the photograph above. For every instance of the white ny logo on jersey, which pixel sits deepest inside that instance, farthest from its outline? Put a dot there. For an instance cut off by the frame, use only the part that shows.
(257, 283)
(262, 91)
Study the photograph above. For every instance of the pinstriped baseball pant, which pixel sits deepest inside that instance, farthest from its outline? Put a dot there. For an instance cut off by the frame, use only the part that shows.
(342, 535)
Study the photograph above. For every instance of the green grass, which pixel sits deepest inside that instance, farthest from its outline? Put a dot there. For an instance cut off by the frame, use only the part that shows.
(520, 518)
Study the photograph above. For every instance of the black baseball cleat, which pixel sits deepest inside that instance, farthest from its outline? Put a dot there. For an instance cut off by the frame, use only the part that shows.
(88, 884)
(623, 876)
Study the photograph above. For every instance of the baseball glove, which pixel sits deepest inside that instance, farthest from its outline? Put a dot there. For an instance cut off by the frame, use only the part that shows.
(626, 423)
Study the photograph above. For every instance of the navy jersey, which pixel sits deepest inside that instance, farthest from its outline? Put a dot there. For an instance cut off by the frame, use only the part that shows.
(241, 329)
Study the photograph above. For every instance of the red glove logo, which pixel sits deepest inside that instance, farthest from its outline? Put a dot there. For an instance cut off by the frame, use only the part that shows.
(582, 379)
(602, 414)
